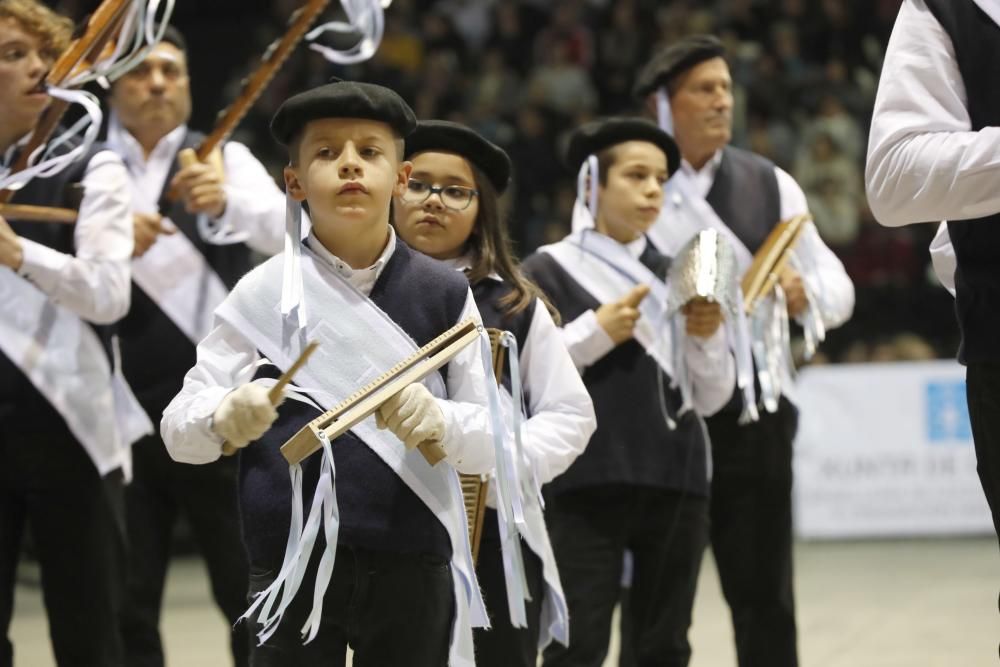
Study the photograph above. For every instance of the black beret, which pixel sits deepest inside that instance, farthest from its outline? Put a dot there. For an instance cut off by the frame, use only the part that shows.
(342, 99)
(674, 60)
(448, 137)
(598, 135)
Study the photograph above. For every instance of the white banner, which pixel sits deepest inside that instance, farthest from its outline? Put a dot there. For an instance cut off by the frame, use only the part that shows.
(885, 450)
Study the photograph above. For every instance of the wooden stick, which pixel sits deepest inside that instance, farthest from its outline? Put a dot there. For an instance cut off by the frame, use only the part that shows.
(274, 393)
(770, 260)
(362, 404)
(28, 213)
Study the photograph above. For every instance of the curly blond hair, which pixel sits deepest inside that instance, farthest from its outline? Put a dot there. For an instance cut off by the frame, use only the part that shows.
(51, 29)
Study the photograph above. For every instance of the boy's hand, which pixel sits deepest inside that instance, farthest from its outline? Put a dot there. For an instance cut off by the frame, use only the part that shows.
(412, 415)
(244, 415)
(702, 318)
(618, 318)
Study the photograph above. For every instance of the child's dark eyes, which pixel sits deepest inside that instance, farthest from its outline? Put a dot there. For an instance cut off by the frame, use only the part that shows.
(369, 152)
(324, 152)
(455, 191)
(13, 54)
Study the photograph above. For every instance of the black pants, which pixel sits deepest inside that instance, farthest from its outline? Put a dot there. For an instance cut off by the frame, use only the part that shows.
(503, 645)
(394, 610)
(666, 531)
(751, 513)
(49, 485)
(161, 491)
(983, 394)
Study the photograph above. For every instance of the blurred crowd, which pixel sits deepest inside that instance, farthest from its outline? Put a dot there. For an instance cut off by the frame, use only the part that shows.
(523, 72)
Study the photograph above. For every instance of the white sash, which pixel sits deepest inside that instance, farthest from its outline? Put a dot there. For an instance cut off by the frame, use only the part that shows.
(64, 359)
(991, 7)
(254, 308)
(607, 271)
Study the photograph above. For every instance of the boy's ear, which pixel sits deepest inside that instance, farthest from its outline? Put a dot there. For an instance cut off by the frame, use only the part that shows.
(292, 184)
(402, 178)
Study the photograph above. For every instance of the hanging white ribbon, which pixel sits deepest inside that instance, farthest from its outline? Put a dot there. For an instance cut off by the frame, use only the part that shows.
(44, 162)
(365, 18)
(664, 117)
(294, 315)
(142, 29)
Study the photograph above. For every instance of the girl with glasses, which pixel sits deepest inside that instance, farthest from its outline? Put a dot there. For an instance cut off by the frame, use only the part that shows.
(450, 212)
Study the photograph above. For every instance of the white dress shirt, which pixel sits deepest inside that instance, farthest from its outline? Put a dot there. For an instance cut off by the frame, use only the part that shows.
(562, 414)
(95, 282)
(227, 360)
(925, 163)
(830, 279)
(711, 367)
(254, 203)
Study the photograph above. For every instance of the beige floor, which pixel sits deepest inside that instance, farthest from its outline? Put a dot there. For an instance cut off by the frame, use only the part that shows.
(864, 604)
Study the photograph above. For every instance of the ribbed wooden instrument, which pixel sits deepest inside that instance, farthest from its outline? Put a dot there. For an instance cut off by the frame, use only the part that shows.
(363, 403)
(771, 260)
(474, 487)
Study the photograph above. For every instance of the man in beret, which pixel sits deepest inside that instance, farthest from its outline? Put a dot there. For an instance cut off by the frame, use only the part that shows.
(743, 196)
(395, 580)
(181, 272)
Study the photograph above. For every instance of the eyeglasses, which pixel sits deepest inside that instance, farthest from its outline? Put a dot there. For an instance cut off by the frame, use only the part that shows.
(455, 197)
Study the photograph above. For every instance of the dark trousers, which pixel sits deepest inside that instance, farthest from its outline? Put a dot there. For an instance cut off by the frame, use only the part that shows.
(751, 515)
(983, 395)
(161, 492)
(48, 484)
(393, 610)
(503, 645)
(666, 531)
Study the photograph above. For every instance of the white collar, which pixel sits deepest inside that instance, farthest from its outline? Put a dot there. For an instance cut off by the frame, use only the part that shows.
(709, 169)
(342, 267)
(464, 263)
(122, 142)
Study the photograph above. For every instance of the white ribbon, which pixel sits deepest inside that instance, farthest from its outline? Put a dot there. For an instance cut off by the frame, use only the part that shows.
(44, 162)
(364, 17)
(664, 117)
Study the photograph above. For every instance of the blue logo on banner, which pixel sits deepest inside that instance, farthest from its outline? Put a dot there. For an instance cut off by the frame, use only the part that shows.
(947, 412)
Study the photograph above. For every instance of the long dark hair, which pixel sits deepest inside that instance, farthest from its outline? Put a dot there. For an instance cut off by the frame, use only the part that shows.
(490, 249)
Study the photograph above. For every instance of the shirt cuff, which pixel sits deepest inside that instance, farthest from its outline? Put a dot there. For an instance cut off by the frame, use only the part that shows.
(202, 411)
(42, 265)
(587, 340)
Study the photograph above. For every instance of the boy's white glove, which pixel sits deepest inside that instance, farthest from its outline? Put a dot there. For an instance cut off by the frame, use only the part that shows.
(412, 415)
(244, 415)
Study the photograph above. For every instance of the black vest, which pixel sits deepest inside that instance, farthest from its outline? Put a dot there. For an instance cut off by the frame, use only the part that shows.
(59, 191)
(745, 196)
(155, 353)
(377, 509)
(488, 293)
(632, 444)
(976, 40)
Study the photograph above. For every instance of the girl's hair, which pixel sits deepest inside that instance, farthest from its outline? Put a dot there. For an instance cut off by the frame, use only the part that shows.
(490, 249)
(52, 30)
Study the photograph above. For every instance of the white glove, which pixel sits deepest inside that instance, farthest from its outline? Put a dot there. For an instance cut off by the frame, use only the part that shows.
(412, 415)
(244, 415)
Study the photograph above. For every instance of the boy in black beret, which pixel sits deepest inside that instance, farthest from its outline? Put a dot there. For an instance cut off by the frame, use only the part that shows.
(641, 484)
(395, 579)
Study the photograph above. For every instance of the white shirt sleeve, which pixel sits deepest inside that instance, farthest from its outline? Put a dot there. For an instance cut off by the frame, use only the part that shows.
(586, 340)
(468, 440)
(96, 281)
(712, 370)
(225, 361)
(562, 414)
(925, 164)
(824, 273)
(254, 203)
(943, 258)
